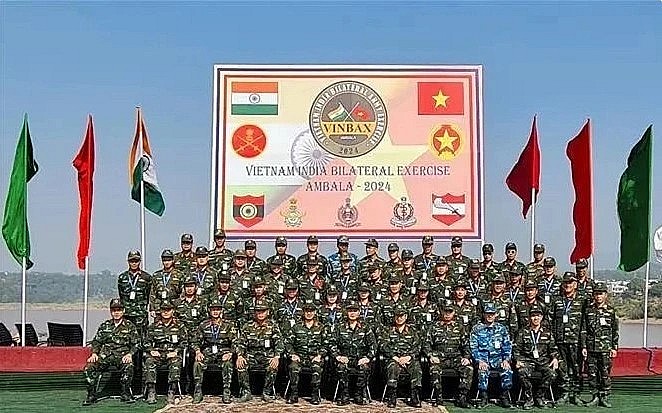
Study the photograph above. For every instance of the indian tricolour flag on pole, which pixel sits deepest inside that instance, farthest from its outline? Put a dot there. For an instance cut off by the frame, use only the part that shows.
(254, 98)
(143, 169)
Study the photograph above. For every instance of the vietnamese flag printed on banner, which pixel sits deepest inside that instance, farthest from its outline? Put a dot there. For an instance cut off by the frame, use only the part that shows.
(440, 98)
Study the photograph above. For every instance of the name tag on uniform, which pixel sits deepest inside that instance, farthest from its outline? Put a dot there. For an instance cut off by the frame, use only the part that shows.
(603, 321)
(474, 301)
(465, 319)
(214, 349)
(428, 317)
(194, 312)
(199, 291)
(267, 343)
(132, 295)
(424, 276)
(292, 323)
(565, 319)
(174, 338)
(164, 294)
(447, 293)
(547, 298)
(502, 313)
(280, 289)
(344, 295)
(379, 296)
(412, 290)
(460, 270)
(244, 284)
(225, 266)
(536, 354)
(317, 296)
(497, 344)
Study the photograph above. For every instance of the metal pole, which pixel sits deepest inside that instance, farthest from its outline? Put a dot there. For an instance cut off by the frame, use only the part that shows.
(533, 222)
(142, 189)
(24, 265)
(87, 285)
(645, 335)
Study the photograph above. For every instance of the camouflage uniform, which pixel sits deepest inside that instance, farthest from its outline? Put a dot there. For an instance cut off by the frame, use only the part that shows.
(549, 287)
(255, 265)
(133, 288)
(441, 287)
(302, 260)
(165, 285)
(423, 262)
(390, 303)
(458, 264)
(290, 310)
(347, 284)
(190, 311)
(289, 263)
(207, 281)
(220, 258)
(491, 344)
(476, 284)
(368, 310)
(232, 303)
(111, 343)
(423, 314)
(523, 307)
(534, 269)
(466, 312)
(185, 260)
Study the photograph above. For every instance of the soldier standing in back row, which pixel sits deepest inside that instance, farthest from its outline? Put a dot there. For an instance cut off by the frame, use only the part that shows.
(220, 258)
(185, 259)
(599, 341)
(312, 244)
(534, 269)
(457, 262)
(371, 257)
(425, 261)
(584, 283)
(289, 262)
(165, 283)
(133, 287)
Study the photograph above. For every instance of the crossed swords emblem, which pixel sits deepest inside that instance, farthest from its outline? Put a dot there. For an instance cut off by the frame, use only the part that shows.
(250, 141)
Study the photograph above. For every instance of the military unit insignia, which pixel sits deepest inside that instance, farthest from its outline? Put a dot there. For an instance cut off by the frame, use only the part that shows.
(248, 210)
(293, 217)
(348, 119)
(446, 141)
(248, 141)
(448, 208)
(348, 215)
(403, 214)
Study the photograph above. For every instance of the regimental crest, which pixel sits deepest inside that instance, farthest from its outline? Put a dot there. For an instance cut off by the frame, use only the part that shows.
(248, 210)
(403, 214)
(348, 119)
(446, 141)
(348, 215)
(292, 216)
(448, 208)
(249, 141)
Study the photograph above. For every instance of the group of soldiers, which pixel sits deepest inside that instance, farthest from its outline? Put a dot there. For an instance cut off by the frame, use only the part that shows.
(360, 317)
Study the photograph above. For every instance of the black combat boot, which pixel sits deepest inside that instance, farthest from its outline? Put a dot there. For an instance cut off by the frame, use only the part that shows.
(482, 399)
(315, 398)
(294, 397)
(604, 400)
(91, 396)
(528, 400)
(227, 396)
(126, 396)
(343, 400)
(505, 399)
(392, 396)
(415, 397)
(245, 394)
(539, 399)
(172, 390)
(461, 400)
(197, 393)
(151, 393)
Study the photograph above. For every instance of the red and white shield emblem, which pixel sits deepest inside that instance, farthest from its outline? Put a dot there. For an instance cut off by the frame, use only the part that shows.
(248, 210)
(448, 208)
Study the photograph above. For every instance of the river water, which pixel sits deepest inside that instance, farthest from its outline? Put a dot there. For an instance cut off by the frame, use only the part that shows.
(630, 332)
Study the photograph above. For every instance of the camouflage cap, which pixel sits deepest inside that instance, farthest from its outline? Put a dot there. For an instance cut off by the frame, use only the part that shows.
(400, 310)
(352, 305)
(215, 303)
(276, 261)
(332, 290)
(569, 276)
(372, 243)
(456, 241)
(343, 239)
(489, 248)
(373, 266)
(599, 288)
(393, 247)
(427, 240)
(489, 308)
(186, 238)
(257, 281)
(407, 255)
(191, 280)
(312, 239)
(281, 240)
(461, 282)
(582, 263)
(115, 303)
(511, 246)
(549, 262)
(167, 255)
(250, 244)
(516, 272)
(499, 279)
(423, 286)
(219, 233)
(201, 251)
(345, 257)
(530, 284)
(309, 306)
(394, 280)
(447, 308)
(166, 305)
(364, 286)
(291, 284)
(260, 305)
(223, 277)
(441, 261)
(539, 248)
(240, 254)
(133, 255)
(536, 309)
(474, 264)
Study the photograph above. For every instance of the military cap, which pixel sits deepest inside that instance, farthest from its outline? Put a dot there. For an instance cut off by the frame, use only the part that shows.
(309, 306)
(187, 238)
(489, 308)
(461, 282)
(201, 251)
(393, 247)
(582, 263)
(499, 278)
(240, 254)
(167, 255)
(423, 286)
(475, 264)
(530, 284)
(332, 290)
(291, 284)
(488, 248)
(539, 248)
(447, 308)
(276, 261)
(535, 309)
(345, 257)
(250, 244)
(314, 260)
(224, 276)
(407, 254)
(364, 286)
(191, 280)
(599, 288)
(133, 255)
(312, 239)
(456, 241)
(215, 303)
(116, 303)
(343, 239)
(427, 240)
(394, 280)
(549, 262)
(516, 271)
(219, 233)
(511, 246)
(352, 305)
(166, 305)
(441, 261)
(258, 281)
(569, 276)
(281, 240)
(372, 243)
(261, 306)
(373, 266)
(400, 310)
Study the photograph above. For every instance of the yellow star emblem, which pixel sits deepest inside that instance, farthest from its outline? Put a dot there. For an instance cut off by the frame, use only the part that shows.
(445, 141)
(440, 99)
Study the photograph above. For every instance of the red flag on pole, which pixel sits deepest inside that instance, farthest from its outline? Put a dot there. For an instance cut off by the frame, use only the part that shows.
(581, 167)
(84, 164)
(525, 175)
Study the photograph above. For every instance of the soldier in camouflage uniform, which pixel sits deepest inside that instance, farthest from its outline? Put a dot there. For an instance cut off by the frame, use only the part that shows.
(353, 346)
(401, 348)
(259, 296)
(425, 261)
(254, 264)
(213, 343)
(185, 259)
(207, 276)
(394, 263)
(534, 269)
(291, 308)
(395, 298)
(534, 350)
(312, 287)
(114, 344)
(260, 345)
(165, 283)
(500, 301)
(567, 316)
(334, 259)
(371, 257)
(305, 345)
(599, 341)
(368, 309)
(346, 280)
(220, 258)
(491, 349)
(488, 266)
(233, 305)
(409, 276)
(457, 262)
(165, 342)
(330, 313)
(466, 311)
(530, 299)
(133, 287)
(289, 261)
(378, 287)
(511, 262)
(241, 278)
(447, 347)
(549, 285)
(189, 308)
(441, 284)
(312, 244)
(515, 291)
(422, 310)
(275, 280)
(584, 284)
(476, 283)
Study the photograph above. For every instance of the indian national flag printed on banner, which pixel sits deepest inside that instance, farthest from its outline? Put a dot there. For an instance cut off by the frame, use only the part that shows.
(254, 98)
(143, 169)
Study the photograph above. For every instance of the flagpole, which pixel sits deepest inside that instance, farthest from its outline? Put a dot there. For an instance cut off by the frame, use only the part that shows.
(533, 222)
(650, 231)
(142, 190)
(87, 284)
(645, 338)
(24, 267)
(590, 263)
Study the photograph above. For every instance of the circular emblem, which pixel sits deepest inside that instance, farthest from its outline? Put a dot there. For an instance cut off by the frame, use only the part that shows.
(248, 211)
(446, 141)
(348, 119)
(254, 98)
(248, 141)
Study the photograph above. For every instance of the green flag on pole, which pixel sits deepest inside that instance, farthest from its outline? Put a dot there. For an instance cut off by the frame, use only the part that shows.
(15, 223)
(634, 210)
